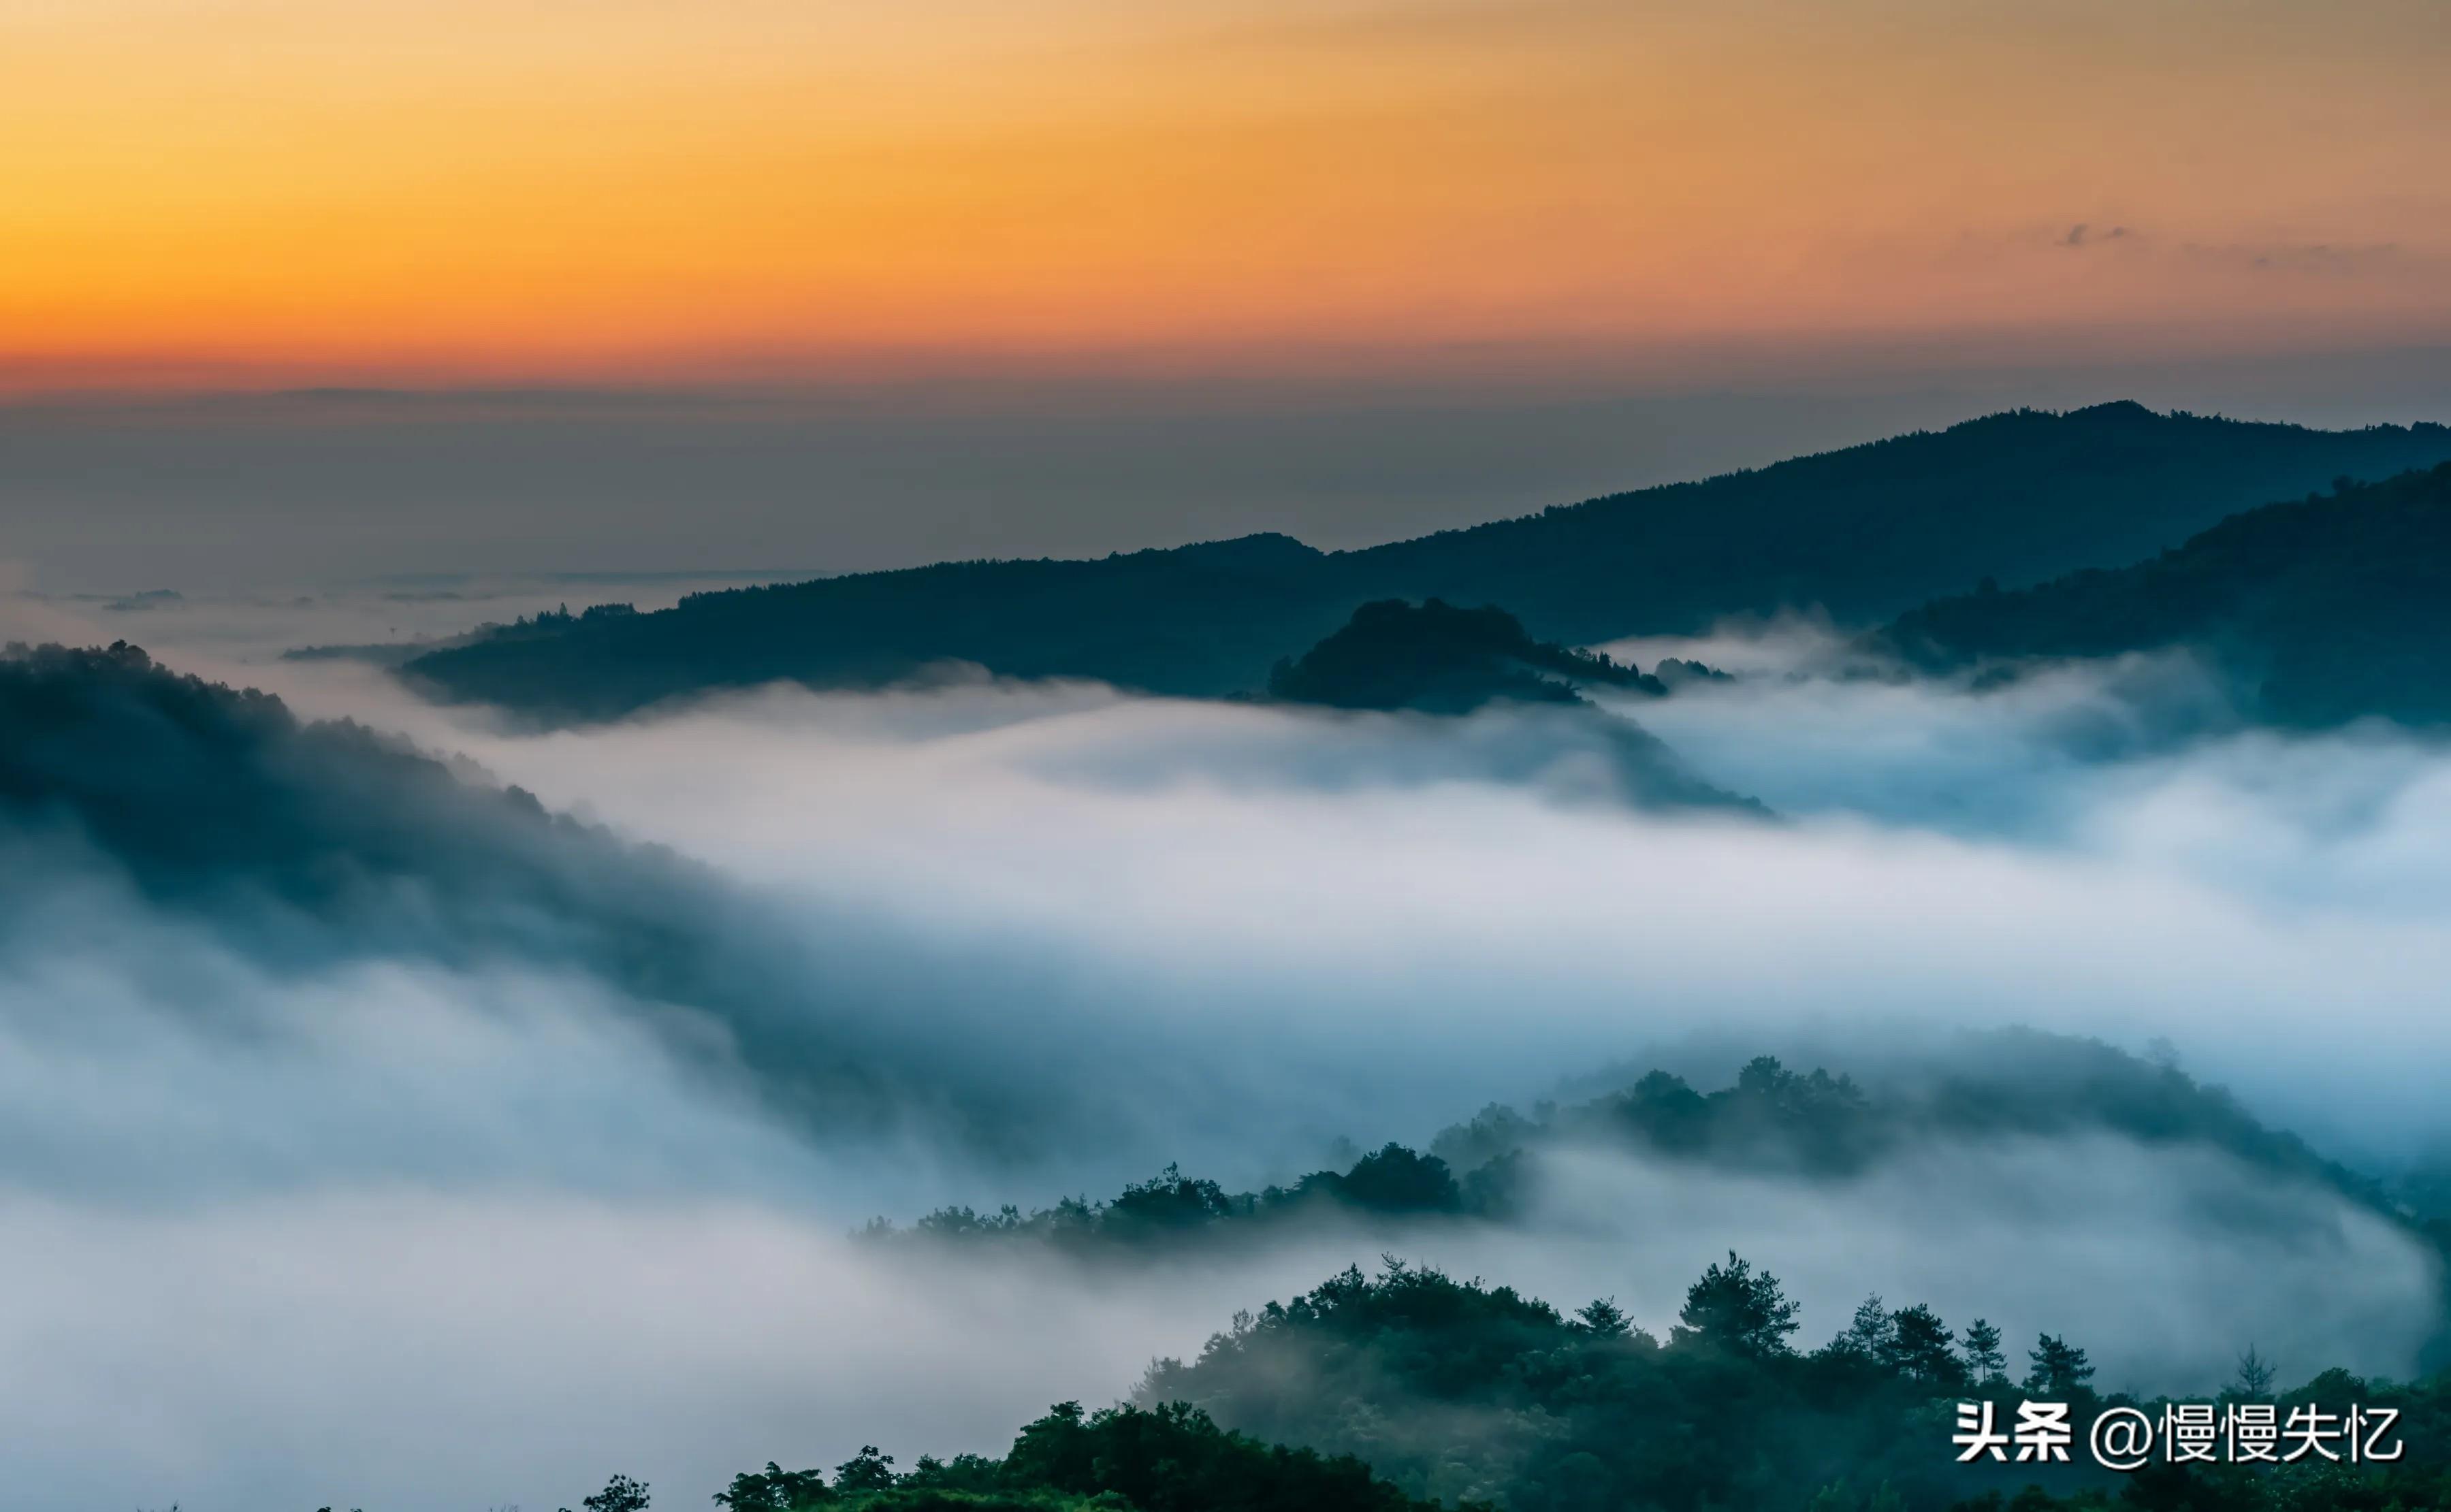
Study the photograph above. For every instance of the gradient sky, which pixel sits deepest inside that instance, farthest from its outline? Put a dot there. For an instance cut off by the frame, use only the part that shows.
(772, 285)
(252, 191)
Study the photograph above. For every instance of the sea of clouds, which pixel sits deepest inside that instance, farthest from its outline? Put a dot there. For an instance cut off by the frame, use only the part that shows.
(407, 1233)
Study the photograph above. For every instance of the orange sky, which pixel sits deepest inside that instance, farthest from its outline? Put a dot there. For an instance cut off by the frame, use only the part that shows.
(477, 189)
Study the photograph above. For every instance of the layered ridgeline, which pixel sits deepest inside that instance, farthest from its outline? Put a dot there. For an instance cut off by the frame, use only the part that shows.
(301, 845)
(1866, 533)
(130, 792)
(1471, 1391)
(2327, 609)
(1770, 1121)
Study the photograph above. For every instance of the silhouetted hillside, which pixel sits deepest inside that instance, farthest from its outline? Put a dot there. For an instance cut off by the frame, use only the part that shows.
(1408, 1390)
(1462, 1388)
(220, 800)
(2019, 497)
(1866, 532)
(1169, 1458)
(1438, 658)
(305, 844)
(2330, 608)
(2007, 1085)
(1198, 620)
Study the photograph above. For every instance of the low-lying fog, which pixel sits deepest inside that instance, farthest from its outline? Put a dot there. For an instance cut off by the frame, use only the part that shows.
(405, 1235)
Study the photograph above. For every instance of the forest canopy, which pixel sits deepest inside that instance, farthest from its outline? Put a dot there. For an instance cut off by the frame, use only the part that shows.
(1408, 1390)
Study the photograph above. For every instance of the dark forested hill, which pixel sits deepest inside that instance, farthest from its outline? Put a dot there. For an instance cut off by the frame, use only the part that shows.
(1410, 1390)
(2019, 497)
(1197, 620)
(2329, 609)
(1435, 658)
(1866, 532)
(303, 845)
(2002, 1084)
(1465, 1390)
(1438, 658)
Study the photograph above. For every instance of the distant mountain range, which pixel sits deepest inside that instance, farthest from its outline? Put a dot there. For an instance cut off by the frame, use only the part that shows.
(2327, 609)
(1866, 533)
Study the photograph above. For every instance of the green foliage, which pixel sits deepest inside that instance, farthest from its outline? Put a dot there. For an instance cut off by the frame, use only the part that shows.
(1739, 1310)
(621, 1494)
(1605, 1319)
(1456, 1388)
(865, 1471)
(1169, 1458)
(1171, 1202)
(775, 1489)
(924, 1499)
(1993, 1084)
(1396, 1180)
(1983, 1361)
(1769, 1118)
(1921, 1348)
(2060, 1371)
(1172, 1207)
(1172, 1455)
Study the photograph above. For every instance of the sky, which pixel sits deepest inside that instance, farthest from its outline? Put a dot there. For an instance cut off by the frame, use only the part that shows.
(297, 292)
(453, 191)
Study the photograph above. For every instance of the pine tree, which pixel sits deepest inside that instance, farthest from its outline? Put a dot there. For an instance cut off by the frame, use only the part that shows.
(1605, 1319)
(2059, 1369)
(1983, 1361)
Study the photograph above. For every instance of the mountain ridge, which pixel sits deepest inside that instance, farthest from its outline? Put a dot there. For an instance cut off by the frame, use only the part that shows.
(2325, 609)
(1865, 532)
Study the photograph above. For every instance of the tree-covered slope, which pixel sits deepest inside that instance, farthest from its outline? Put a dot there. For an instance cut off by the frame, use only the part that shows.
(2017, 496)
(2327, 609)
(1169, 1458)
(219, 800)
(1997, 1087)
(1408, 1390)
(1463, 1389)
(1434, 659)
(1197, 620)
(303, 846)
(1866, 532)
(1438, 658)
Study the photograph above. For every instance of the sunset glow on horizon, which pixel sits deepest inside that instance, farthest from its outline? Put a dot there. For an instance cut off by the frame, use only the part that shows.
(279, 190)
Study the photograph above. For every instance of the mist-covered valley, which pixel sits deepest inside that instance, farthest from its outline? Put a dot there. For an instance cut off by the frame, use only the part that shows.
(1244, 756)
(387, 1076)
